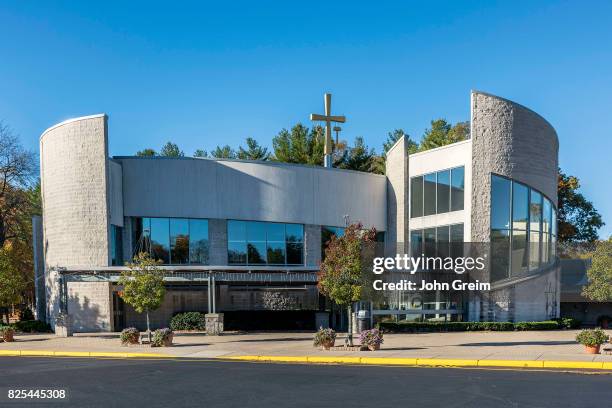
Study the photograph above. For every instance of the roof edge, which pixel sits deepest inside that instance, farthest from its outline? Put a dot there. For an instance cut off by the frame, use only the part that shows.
(67, 121)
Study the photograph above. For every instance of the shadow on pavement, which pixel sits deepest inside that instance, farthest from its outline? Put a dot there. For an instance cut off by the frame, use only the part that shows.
(519, 343)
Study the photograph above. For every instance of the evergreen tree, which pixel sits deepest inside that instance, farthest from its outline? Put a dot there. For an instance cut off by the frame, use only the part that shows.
(253, 151)
(171, 150)
(146, 153)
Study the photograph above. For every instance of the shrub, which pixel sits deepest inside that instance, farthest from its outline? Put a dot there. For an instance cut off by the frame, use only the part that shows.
(32, 326)
(131, 335)
(162, 337)
(414, 327)
(324, 336)
(568, 323)
(371, 337)
(188, 321)
(592, 338)
(545, 325)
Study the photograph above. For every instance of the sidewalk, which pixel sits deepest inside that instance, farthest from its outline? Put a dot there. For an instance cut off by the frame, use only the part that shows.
(485, 347)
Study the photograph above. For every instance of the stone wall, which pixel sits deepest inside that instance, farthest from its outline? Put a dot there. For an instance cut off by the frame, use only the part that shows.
(90, 306)
(397, 194)
(217, 235)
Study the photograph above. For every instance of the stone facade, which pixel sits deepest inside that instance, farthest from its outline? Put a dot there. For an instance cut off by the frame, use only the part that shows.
(90, 306)
(397, 196)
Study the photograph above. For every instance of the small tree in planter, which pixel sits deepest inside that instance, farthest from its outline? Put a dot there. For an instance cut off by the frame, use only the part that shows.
(372, 339)
(143, 285)
(129, 336)
(592, 339)
(7, 334)
(162, 338)
(341, 276)
(325, 338)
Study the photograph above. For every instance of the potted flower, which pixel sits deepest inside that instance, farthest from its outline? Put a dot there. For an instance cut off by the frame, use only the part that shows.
(372, 339)
(162, 338)
(7, 334)
(131, 335)
(592, 339)
(325, 338)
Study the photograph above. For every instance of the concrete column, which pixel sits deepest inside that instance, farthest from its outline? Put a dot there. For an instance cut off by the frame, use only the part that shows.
(217, 236)
(312, 244)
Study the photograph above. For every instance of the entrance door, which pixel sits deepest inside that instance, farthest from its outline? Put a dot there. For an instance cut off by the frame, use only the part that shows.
(118, 312)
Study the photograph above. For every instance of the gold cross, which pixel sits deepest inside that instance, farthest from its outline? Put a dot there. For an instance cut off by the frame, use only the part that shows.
(328, 119)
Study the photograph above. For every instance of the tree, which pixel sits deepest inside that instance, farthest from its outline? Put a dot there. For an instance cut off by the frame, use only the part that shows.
(253, 151)
(393, 137)
(200, 153)
(146, 153)
(599, 275)
(442, 133)
(225, 152)
(143, 285)
(341, 276)
(12, 282)
(300, 145)
(17, 174)
(171, 150)
(359, 157)
(577, 218)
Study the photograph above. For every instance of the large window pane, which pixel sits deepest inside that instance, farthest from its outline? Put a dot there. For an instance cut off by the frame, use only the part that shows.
(545, 248)
(179, 241)
(535, 211)
(256, 231)
(160, 239)
(416, 242)
(295, 253)
(520, 260)
(554, 222)
(256, 253)
(457, 188)
(198, 242)
(500, 203)
(442, 241)
(295, 232)
(520, 206)
(456, 233)
(500, 254)
(546, 216)
(429, 194)
(116, 245)
(275, 232)
(534, 249)
(429, 238)
(443, 190)
(237, 252)
(236, 230)
(276, 252)
(416, 197)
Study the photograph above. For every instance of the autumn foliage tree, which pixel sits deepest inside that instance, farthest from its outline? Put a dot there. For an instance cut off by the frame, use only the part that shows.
(341, 277)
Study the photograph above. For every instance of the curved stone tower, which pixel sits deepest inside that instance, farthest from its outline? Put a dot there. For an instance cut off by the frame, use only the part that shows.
(513, 141)
(74, 184)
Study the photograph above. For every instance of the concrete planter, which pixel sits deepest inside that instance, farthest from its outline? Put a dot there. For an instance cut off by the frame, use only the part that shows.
(8, 336)
(328, 344)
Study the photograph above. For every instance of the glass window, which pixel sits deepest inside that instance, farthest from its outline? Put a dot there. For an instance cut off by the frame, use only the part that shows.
(256, 231)
(545, 248)
(534, 249)
(256, 253)
(546, 216)
(456, 233)
(276, 252)
(535, 211)
(457, 188)
(429, 239)
(429, 194)
(295, 253)
(554, 222)
(442, 241)
(500, 203)
(500, 247)
(520, 259)
(198, 242)
(416, 242)
(237, 252)
(295, 232)
(416, 197)
(116, 245)
(179, 241)
(160, 239)
(443, 191)
(236, 230)
(520, 206)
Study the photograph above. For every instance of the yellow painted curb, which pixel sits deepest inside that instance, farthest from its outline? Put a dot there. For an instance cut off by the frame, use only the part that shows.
(446, 362)
(573, 364)
(389, 360)
(51, 353)
(511, 363)
(336, 360)
(284, 359)
(245, 358)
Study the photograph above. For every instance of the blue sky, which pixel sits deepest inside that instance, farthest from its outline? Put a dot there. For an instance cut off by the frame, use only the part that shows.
(202, 74)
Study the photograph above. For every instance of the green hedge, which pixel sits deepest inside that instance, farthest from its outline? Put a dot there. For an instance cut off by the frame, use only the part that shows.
(31, 326)
(188, 321)
(568, 322)
(413, 327)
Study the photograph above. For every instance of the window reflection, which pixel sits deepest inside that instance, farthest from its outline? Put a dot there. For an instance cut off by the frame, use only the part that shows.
(437, 193)
(260, 243)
